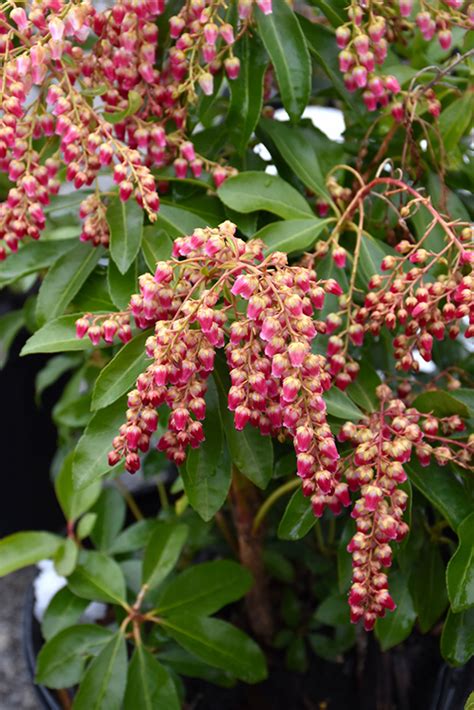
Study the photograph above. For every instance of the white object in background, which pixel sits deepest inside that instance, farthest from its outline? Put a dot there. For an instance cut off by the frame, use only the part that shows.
(329, 120)
(47, 583)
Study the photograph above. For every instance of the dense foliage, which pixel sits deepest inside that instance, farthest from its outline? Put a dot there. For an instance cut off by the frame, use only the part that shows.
(273, 311)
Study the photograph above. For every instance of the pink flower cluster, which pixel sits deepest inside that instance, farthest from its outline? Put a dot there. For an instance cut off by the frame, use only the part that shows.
(113, 104)
(364, 43)
(382, 445)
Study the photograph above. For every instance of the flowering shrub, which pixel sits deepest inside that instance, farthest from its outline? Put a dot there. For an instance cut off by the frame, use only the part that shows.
(298, 323)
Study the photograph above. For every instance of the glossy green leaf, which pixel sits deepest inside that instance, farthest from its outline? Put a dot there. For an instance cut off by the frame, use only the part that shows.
(428, 586)
(31, 258)
(178, 221)
(456, 120)
(135, 100)
(111, 511)
(149, 684)
(64, 279)
(65, 558)
(252, 191)
(53, 370)
(250, 452)
(121, 286)
(90, 456)
(25, 548)
(103, 685)
(98, 578)
(443, 489)
(125, 221)
(73, 502)
(56, 336)
(460, 571)
(85, 525)
(246, 91)
(362, 391)
(120, 374)
(396, 626)
(441, 404)
(134, 537)
(372, 251)
(162, 552)
(10, 325)
(293, 235)
(156, 246)
(334, 11)
(205, 588)
(286, 46)
(298, 518)
(295, 149)
(207, 472)
(457, 639)
(64, 610)
(61, 661)
(341, 406)
(218, 643)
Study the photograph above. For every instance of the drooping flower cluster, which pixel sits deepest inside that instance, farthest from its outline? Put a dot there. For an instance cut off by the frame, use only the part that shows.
(426, 307)
(382, 445)
(195, 302)
(365, 39)
(81, 89)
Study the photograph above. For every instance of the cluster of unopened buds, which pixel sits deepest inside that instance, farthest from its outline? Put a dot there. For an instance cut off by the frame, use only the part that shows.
(427, 307)
(381, 446)
(138, 122)
(277, 382)
(364, 41)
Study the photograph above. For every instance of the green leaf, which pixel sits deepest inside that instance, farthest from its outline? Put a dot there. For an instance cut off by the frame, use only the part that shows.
(31, 258)
(457, 639)
(250, 452)
(441, 404)
(206, 475)
(298, 518)
(428, 586)
(286, 46)
(362, 391)
(103, 685)
(25, 548)
(339, 405)
(53, 370)
(111, 511)
(460, 570)
(178, 221)
(455, 120)
(85, 525)
(443, 489)
(333, 611)
(120, 374)
(156, 246)
(218, 643)
(135, 100)
(10, 325)
(372, 252)
(61, 661)
(133, 538)
(121, 286)
(64, 279)
(74, 503)
(66, 556)
(252, 191)
(64, 610)
(334, 13)
(469, 702)
(246, 91)
(396, 626)
(295, 149)
(90, 456)
(125, 221)
(205, 588)
(184, 663)
(293, 235)
(162, 552)
(98, 578)
(56, 336)
(149, 684)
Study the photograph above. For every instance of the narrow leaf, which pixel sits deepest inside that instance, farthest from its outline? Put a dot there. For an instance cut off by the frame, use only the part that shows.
(298, 518)
(397, 625)
(98, 578)
(125, 221)
(149, 684)
(460, 571)
(162, 552)
(252, 191)
(103, 685)
(25, 548)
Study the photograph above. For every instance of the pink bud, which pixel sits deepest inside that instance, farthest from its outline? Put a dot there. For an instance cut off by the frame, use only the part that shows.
(227, 33)
(94, 334)
(331, 286)
(244, 286)
(406, 7)
(18, 15)
(110, 328)
(265, 6)
(445, 39)
(232, 67)
(206, 82)
(125, 190)
(343, 35)
(303, 439)
(82, 326)
(304, 465)
(180, 167)
(241, 417)
(219, 175)
(328, 448)
(210, 32)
